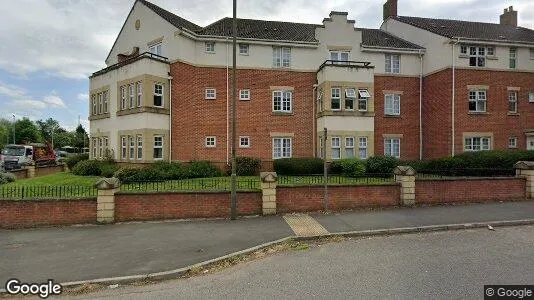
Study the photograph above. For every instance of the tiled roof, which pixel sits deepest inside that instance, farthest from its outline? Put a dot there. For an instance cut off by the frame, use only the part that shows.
(471, 30)
(380, 38)
(171, 18)
(264, 30)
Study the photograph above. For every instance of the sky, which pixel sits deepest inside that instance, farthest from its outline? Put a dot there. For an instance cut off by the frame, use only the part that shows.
(50, 47)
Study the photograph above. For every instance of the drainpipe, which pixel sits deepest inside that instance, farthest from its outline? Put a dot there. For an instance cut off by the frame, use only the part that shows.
(227, 108)
(170, 117)
(314, 121)
(453, 129)
(421, 106)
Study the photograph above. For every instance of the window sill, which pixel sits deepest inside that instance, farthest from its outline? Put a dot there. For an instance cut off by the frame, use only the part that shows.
(480, 113)
(143, 109)
(513, 114)
(279, 113)
(393, 116)
(99, 117)
(350, 113)
(211, 99)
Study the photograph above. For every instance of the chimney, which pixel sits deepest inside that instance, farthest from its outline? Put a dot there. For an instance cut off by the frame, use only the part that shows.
(390, 9)
(509, 17)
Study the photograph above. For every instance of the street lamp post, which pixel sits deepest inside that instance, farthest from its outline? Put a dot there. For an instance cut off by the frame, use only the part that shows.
(233, 194)
(14, 140)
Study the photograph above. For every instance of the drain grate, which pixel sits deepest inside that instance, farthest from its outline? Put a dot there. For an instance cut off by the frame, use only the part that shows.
(304, 225)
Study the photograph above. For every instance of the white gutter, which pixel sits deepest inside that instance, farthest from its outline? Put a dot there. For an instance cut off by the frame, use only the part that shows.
(170, 118)
(227, 109)
(421, 107)
(472, 41)
(314, 120)
(391, 50)
(453, 129)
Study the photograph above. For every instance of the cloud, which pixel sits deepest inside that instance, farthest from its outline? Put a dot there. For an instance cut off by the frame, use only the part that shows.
(83, 97)
(54, 101)
(11, 90)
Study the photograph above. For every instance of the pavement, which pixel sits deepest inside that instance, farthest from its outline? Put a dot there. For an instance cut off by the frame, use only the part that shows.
(78, 253)
(430, 265)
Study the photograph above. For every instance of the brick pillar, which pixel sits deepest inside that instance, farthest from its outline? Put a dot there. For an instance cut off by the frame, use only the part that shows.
(105, 203)
(526, 169)
(405, 175)
(268, 191)
(30, 171)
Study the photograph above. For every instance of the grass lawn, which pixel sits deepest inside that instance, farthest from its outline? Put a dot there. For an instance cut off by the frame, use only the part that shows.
(67, 185)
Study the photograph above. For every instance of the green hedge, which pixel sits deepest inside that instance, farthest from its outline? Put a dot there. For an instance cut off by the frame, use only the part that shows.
(381, 164)
(71, 161)
(169, 171)
(298, 166)
(350, 167)
(7, 177)
(246, 166)
(94, 168)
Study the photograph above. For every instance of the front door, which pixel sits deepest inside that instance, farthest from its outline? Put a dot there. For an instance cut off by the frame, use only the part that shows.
(530, 142)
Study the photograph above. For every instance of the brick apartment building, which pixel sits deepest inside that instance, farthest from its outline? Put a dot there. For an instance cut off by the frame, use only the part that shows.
(415, 88)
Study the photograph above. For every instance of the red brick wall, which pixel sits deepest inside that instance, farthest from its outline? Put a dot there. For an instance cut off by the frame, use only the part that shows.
(159, 206)
(437, 94)
(194, 118)
(33, 213)
(469, 190)
(310, 198)
(408, 121)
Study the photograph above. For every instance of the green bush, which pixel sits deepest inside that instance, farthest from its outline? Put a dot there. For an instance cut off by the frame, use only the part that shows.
(108, 169)
(73, 160)
(202, 169)
(7, 177)
(298, 166)
(351, 167)
(381, 164)
(88, 168)
(247, 166)
(169, 171)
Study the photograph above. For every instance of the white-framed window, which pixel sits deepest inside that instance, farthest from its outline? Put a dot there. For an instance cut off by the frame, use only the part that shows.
(210, 47)
(156, 49)
(477, 101)
(158, 147)
(392, 147)
(210, 142)
(340, 56)
(210, 94)
(158, 94)
(336, 147)
(350, 96)
(463, 49)
(477, 143)
(94, 147)
(93, 100)
(392, 105)
(244, 94)
(393, 63)
(281, 57)
(131, 95)
(531, 97)
(512, 142)
(100, 103)
(243, 49)
(139, 146)
(362, 147)
(319, 100)
(106, 146)
(105, 101)
(363, 99)
(139, 85)
(124, 148)
(282, 101)
(349, 147)
(244, 142)
(335, 99)
(513, 58)
(477, 56)
(123, 97)
(531, 50)
(131, 149)
(100, 147)
(490, 51)
(282, 147)
(512, 101)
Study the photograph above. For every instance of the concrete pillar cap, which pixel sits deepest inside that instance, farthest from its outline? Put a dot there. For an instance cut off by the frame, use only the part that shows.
(404, 170)
(108, 183)
(524, 165)
(268, 176)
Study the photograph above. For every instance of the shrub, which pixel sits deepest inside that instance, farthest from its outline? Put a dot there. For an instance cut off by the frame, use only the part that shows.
(88, 168)
(201, 169)
(168, 170)
(298, 166)
(381, 164)
(247, 166)
(351, 167)
(108, 169)
(73, 160)
(7, 177)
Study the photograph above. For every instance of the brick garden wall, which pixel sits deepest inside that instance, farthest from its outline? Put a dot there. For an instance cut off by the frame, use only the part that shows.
(33, 213)
(469, 190)
(42, 171)
(20, 174)
(160, 206)
(310, 198)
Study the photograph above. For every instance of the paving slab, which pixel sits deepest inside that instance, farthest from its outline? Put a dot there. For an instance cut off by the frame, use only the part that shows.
(75, 253)
(425, 216)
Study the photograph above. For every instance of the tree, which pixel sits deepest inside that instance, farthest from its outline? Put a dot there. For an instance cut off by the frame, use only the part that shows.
(6, 133)
(48, 128)
(27, 132)
(64, 138)
(81, 137)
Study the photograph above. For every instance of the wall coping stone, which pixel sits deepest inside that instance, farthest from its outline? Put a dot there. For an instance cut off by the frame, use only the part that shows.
(108, 183)
(404, 171)
(524, 165)
(268, 176)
